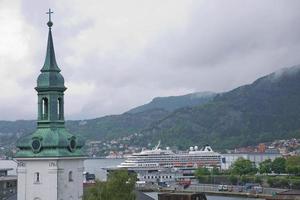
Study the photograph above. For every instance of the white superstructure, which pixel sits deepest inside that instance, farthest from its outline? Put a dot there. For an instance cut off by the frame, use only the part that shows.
(157, 159)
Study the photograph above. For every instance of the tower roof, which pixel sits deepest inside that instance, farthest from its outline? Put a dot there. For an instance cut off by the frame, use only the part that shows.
(51, 139)
(50, 77)
(50, 61)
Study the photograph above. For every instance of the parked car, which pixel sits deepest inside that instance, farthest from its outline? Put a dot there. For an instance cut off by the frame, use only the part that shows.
(225, 188)
(240, 188)
(222, 188)
(258, 189)
(250, 186)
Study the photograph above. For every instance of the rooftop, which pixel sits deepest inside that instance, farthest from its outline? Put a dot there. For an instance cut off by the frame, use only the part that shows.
(8, 178)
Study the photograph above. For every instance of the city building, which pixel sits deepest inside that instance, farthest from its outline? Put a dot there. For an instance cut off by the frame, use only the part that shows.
(50, 160)
(11, 164)
(256, 157)
(8, 184)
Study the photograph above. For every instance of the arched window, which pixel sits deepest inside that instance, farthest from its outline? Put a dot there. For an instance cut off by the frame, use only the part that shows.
(70, 176)
(44, 108)
(59, 108)
(37, 178)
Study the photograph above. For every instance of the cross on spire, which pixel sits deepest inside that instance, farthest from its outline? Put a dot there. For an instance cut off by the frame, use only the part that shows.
(49, 13)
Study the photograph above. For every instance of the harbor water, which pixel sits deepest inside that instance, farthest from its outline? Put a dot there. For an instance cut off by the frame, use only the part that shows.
(96, 166)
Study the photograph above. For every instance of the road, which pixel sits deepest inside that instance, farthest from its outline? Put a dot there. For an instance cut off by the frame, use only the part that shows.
(232, 190)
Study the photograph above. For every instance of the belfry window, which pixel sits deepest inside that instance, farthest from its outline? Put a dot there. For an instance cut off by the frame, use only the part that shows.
(45, 108)
(59, 109)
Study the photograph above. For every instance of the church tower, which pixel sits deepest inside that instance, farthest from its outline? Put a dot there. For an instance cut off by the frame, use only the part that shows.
(50, 160)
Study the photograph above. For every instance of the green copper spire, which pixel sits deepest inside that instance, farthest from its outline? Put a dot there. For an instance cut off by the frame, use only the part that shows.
(51, 139)
(50, 61)
(50, 88)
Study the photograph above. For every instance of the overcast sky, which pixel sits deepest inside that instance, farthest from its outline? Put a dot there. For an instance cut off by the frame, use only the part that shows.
(116, 55)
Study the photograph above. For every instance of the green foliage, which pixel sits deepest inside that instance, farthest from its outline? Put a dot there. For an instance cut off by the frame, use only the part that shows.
(293, 170)
(265, 167)
(120, 185)
(201, 171)
(278, 182)
(201, 174)
(258, 179)
(245, 179)
(204, 179)
(243, 167)
(295, 184)
(293, 165)
(215, 171)
(279, 165)
(233, 179)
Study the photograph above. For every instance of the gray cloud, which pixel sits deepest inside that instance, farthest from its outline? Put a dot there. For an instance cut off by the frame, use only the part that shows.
(116, 55)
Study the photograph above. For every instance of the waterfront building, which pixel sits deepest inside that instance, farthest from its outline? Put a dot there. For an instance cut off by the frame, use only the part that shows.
(50, 160)
(11, 164)
(256, 158)
(8, 184)
(261, 148)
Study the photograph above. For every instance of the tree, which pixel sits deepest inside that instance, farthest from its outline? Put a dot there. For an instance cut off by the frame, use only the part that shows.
(258, 179)
(202, 171)
(119, 185)
(243, 167)
(215, 171)
(293, 165)
(233, 179)
(279, 165)
(97, 192)
(265, 167)
(202, 174)
(122, 184)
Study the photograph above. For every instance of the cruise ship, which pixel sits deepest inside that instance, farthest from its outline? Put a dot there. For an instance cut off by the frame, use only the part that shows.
(160, 159)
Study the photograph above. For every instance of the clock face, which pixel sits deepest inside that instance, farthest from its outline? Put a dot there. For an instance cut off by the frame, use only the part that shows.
(36, 145)
(72, 144)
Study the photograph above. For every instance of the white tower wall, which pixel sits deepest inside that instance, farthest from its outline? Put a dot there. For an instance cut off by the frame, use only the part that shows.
(53, 183)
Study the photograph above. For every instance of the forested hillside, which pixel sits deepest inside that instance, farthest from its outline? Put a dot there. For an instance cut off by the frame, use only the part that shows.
(265, 110)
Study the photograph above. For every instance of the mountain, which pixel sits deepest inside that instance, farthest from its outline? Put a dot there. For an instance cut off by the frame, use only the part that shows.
(12, 130)
(111, 126)
(114, 126)
(265, 110)
(107, 127)
(174, 102)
